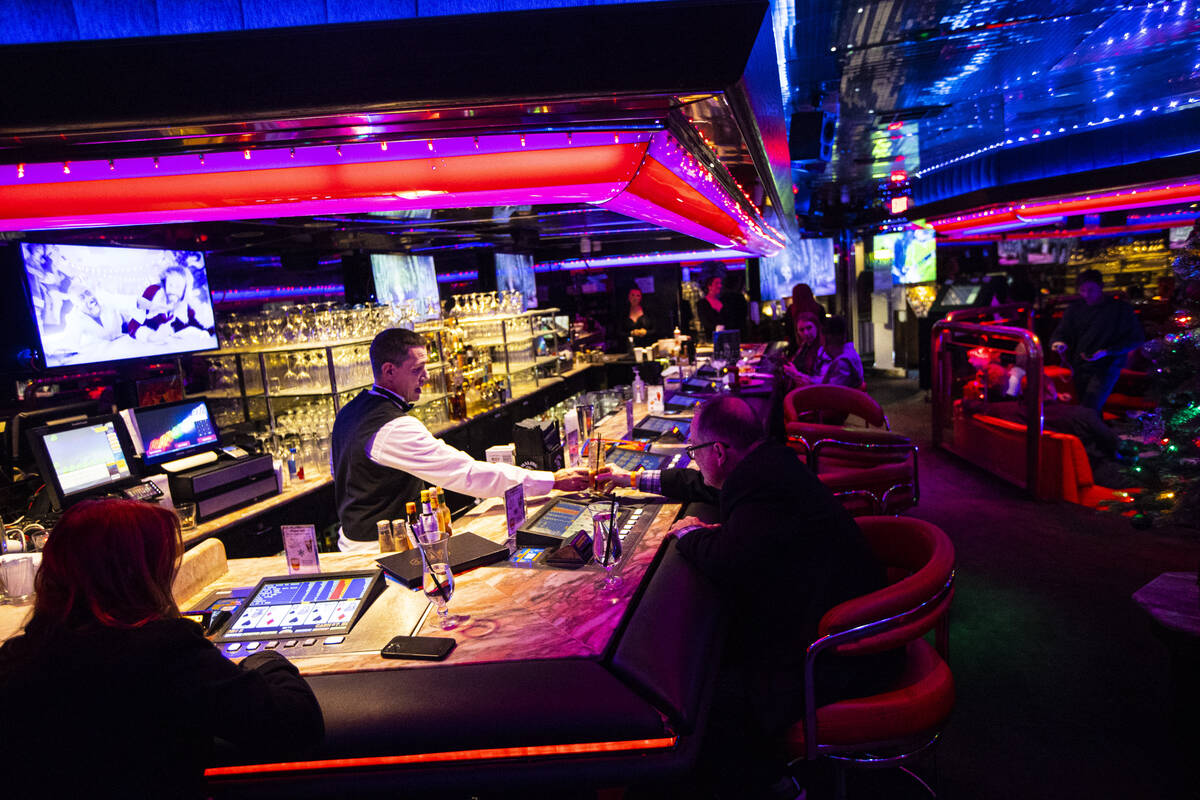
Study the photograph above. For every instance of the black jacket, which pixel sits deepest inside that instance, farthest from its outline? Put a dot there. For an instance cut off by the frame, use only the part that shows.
(786, 552)
(132, 712)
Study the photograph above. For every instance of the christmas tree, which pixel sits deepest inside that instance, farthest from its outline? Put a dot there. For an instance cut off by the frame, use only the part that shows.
(1165, 458)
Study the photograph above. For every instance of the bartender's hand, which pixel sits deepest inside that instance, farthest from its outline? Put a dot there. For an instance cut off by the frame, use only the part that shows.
(612, 477)
(572, 479)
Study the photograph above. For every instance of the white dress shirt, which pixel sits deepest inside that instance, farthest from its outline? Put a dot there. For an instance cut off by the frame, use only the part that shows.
(406, 444)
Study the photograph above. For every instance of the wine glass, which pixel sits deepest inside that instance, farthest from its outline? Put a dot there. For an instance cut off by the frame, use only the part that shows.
(437, 581)
(606, 547)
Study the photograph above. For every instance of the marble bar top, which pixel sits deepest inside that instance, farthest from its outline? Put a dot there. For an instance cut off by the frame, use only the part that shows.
(514, 613)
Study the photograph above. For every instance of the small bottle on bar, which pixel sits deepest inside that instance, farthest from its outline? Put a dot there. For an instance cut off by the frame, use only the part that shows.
(414, 522)
(444, 511)
(401, 537)
(384, 529)
(428, 518)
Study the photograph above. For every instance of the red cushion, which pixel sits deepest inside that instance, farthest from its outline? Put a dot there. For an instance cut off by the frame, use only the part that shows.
(833, 398)
(918, 702)
(914, 545)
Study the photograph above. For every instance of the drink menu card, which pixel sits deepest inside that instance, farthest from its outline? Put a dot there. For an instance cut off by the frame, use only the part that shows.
(300, 546)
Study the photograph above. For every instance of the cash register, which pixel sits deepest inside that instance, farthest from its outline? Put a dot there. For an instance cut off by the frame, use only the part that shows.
(182, 440)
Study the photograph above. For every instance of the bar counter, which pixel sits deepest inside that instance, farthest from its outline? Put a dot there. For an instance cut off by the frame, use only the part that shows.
(554, 682)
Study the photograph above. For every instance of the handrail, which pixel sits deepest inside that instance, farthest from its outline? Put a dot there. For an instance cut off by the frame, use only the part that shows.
(1005, 312)
(946, 332)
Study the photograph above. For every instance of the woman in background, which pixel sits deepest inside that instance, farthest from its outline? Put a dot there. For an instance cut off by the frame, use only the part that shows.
(808, 363)
(636, 324)
(109, 692)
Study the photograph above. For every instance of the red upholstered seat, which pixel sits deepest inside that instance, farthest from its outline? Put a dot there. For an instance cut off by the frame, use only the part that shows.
(871, 471)
(893, 726)
(915, 706)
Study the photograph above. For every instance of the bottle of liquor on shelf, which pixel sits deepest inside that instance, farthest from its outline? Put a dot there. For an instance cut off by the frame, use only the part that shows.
(445, 511)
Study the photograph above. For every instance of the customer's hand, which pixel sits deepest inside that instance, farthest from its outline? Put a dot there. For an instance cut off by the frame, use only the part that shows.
(612, 477)
(572, 479)
(689, 524)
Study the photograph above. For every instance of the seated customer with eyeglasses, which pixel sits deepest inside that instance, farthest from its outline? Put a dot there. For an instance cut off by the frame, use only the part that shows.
(784, 552)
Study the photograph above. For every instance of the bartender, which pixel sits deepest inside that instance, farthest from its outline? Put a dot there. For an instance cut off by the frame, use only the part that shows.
(383, 457)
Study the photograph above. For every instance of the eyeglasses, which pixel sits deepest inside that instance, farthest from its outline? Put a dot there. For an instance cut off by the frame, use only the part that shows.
(692, 448)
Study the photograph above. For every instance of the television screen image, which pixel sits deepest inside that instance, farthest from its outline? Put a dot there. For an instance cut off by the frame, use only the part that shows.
(175, 430)
(95, 304)
(515, 273)
(401, 278)
(910, 255)
(1035, 251)
(810, 261)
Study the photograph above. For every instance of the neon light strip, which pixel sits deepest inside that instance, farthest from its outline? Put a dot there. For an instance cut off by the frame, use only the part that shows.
(277, 292)
(453, 755)
(1043, 212)
(608, 262)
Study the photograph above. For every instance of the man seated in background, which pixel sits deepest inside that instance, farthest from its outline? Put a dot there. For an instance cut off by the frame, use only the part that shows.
(783, 552)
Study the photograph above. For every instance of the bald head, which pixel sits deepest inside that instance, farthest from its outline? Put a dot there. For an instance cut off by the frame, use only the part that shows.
(728, 419)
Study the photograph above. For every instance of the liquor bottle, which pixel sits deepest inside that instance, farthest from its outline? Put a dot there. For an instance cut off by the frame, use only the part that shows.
(414, 522)
(428, 518)
(445, 509)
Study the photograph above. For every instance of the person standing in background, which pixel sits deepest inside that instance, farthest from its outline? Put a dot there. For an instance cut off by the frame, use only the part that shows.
(1095, 336)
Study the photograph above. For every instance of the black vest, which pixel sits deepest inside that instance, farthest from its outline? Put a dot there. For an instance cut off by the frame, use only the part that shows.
(366, 492)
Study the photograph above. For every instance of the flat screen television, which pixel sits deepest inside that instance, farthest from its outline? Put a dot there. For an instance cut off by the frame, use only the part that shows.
(175, 430)
(910, 255)
(83, 459)
(402, 277)
(94, 304)
(810, 261)
(514, 272)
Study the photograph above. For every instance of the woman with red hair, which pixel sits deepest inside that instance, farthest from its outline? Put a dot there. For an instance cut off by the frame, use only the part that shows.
(108, 691)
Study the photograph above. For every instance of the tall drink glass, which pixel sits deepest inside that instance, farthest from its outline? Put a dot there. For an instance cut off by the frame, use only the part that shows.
(437, 580)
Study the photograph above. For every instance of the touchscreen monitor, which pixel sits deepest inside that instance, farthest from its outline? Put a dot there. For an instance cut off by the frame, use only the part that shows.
(83, 459)
(175, 430)
(98, 304)
(661, 426)
(321, 605)
(557, 518)
(631, 459)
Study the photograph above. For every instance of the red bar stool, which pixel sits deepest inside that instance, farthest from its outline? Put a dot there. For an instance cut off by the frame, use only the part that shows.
(893, 727)
(870, 471)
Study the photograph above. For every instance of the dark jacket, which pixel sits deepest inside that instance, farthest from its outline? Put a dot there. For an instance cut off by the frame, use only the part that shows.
(132, 712)
(1109, 325)
(627, 326)
(786, 552)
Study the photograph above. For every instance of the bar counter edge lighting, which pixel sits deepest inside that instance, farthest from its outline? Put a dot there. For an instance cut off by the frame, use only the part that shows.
(633, 715)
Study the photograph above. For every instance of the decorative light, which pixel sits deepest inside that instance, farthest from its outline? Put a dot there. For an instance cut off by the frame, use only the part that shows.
(66, 168)
(21, 170)
(246, 154)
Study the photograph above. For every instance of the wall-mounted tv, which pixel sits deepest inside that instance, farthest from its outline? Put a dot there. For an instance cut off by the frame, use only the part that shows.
(910, 255)
(514, 272)
(403, 277)
(97, 304)
(810, 261)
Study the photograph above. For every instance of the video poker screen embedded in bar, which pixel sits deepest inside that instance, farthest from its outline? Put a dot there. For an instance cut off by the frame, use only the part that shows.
(319, 604)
